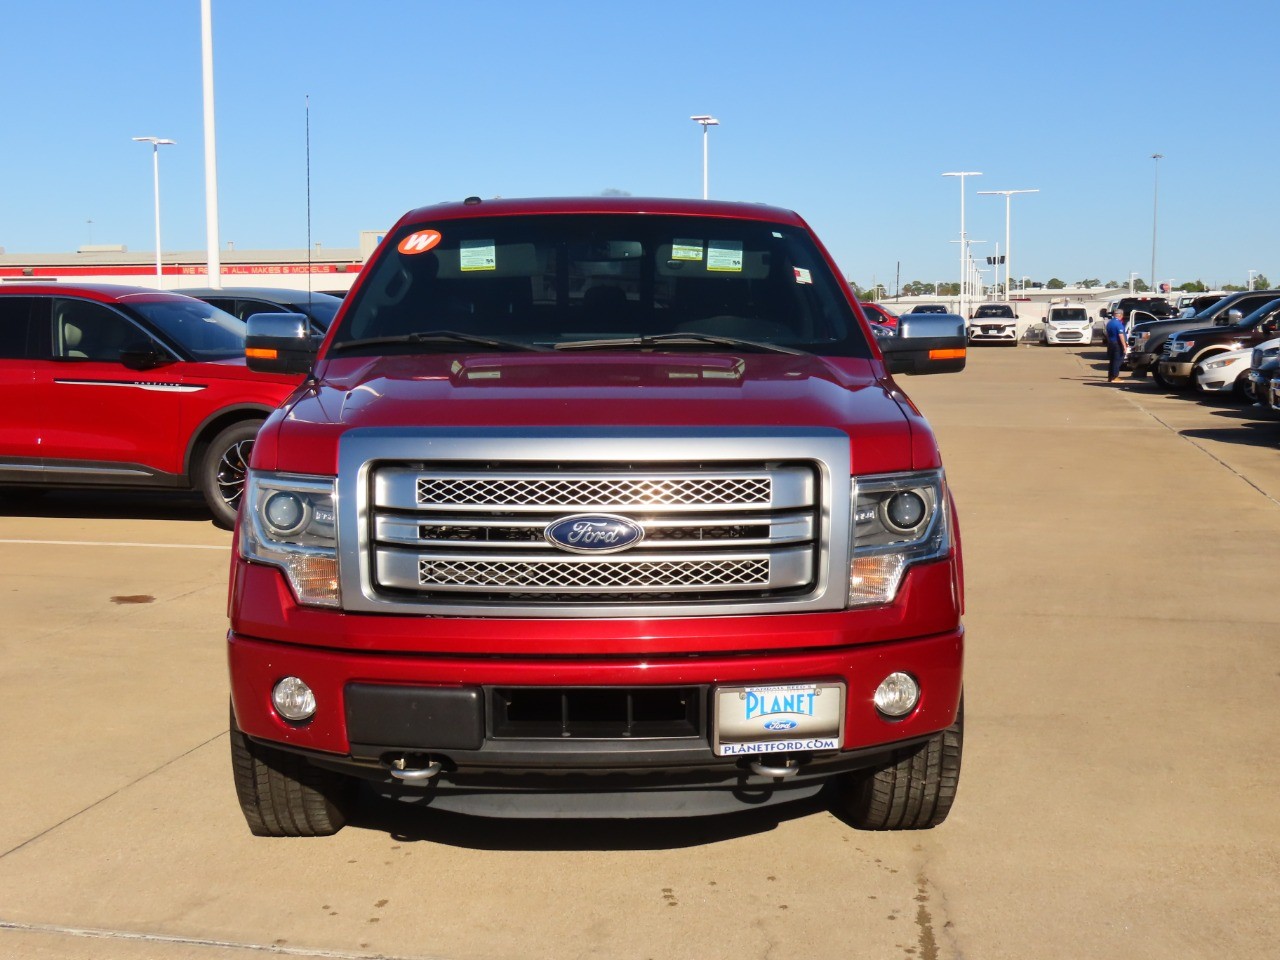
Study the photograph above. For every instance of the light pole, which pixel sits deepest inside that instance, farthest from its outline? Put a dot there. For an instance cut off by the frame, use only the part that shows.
(1008, 248)
(156, 143)
(964, 247)
(210, 150)
(1155, 210)
(1252, 274)
(706, 121)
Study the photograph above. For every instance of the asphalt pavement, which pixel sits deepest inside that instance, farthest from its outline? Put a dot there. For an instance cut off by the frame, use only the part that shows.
(1117, 798)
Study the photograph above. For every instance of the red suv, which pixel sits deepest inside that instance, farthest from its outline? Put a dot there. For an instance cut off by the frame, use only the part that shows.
(120, 386)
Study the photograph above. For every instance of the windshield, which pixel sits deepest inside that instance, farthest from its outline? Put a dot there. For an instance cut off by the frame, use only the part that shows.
(321, 312)
(547, 280)
(990, 311)
(203, 331)
(1262, 313)
(1068, 315)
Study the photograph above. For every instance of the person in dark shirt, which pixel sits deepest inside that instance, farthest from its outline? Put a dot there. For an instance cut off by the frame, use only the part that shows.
(1117, 345)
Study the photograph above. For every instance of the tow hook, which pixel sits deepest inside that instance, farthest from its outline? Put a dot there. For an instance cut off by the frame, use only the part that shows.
(788, 767)
(412, 769)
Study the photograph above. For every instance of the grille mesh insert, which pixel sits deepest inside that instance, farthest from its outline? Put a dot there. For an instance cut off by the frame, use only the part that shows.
(614, 492)
(600, 575)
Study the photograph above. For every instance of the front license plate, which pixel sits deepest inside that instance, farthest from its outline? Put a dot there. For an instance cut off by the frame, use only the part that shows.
(782, 718)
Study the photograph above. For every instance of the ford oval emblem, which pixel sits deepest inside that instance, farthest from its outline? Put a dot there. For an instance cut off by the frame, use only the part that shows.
(780, 725)
(593, 533)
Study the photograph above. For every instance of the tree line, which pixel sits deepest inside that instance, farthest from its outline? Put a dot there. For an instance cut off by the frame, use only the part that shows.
(919, 288)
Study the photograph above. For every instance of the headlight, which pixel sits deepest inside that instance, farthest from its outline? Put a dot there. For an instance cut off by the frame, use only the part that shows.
(898, 519)
(289, 523)
(1214, 364)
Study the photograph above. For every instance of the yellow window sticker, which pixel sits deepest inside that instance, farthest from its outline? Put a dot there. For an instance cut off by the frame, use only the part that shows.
(725, 256)
(686, 249)
(477, 255)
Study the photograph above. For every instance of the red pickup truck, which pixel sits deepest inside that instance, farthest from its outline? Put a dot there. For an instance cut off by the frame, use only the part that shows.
(597, 507)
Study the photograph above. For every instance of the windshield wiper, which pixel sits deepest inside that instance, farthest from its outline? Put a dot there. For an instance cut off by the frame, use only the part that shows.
(673, 339)
(434, 336)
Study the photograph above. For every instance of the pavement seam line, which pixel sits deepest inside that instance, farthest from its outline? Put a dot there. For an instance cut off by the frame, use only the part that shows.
(110, 543)
(271, 948)
(113, 793)
(1208, 453)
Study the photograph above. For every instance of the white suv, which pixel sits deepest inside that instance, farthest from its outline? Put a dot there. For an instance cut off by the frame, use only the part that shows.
(994, 323)
(1066, 322)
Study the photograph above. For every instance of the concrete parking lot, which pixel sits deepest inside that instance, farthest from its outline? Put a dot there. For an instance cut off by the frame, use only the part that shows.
(1119, 787)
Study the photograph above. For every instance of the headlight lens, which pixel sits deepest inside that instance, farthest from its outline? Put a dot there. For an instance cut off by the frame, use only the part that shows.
(1215, 364)
(289, 522)
(898, 519)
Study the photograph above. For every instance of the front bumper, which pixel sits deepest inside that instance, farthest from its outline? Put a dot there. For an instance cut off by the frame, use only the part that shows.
(993, 334)
(1140, 359)
(1177, 371)
(1069, 335)
(363, 653)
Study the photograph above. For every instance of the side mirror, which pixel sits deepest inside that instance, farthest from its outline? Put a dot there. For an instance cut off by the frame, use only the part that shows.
(926, 343)
(143, 355)
(279, 343)
(1232, 317)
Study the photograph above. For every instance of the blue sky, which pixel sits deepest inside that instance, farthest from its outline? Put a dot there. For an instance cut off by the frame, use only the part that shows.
(844, 111)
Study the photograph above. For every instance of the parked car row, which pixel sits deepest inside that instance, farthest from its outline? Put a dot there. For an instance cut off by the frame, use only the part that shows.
(1150, 351)
(1230, 347)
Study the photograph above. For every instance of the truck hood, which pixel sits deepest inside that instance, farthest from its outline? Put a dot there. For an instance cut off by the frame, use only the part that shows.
(598, 390)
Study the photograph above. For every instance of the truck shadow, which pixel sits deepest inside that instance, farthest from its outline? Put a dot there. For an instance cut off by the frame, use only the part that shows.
(413, 824)
(1256, 434)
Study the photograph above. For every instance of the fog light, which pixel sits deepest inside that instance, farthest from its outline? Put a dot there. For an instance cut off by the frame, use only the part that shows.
(294, 700)
(897, 695)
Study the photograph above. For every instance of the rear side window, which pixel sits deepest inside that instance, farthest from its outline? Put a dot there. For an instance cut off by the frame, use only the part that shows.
(84, 330)
(17, 328)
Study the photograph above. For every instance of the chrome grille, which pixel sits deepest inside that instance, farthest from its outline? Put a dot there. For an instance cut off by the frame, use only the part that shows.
(480, 531)
(457, 522)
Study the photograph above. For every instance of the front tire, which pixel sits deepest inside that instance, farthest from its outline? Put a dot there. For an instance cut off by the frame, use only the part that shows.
(915, 791)
(282, 795)
(223, 470)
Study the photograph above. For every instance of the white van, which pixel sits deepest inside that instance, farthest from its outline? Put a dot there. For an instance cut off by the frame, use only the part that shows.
(1066, 322)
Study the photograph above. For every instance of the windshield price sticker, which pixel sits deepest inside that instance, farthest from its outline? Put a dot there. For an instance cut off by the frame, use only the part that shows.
(686, 249)
(778, 719)
(477, 255)
(725, 256)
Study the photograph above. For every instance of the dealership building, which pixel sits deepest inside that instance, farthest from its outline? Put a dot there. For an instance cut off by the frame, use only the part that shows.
(322, 268)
